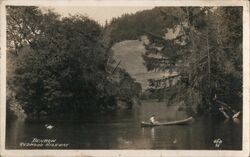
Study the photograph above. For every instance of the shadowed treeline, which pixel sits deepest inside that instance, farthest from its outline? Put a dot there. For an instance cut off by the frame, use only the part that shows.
(62, 66)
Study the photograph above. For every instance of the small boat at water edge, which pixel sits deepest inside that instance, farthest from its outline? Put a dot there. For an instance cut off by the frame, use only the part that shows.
(179, 122)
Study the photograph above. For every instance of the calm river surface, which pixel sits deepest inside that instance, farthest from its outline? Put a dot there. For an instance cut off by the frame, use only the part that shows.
(122, 131)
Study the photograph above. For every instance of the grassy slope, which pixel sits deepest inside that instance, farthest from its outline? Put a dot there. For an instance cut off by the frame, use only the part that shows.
(129, 53)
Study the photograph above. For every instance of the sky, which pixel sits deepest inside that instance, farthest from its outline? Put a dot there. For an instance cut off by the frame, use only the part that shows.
(99, 14)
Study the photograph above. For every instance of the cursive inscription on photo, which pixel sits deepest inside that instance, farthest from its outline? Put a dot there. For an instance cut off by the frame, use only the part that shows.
(43, 143)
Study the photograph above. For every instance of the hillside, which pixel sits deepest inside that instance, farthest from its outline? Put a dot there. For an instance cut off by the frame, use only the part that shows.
(129, 52)
(128, 32)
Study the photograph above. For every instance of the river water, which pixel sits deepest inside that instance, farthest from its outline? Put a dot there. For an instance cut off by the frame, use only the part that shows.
(122, 131)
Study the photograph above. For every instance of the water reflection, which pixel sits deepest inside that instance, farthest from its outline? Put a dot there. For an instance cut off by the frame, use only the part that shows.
(153, 133)
(122, 131)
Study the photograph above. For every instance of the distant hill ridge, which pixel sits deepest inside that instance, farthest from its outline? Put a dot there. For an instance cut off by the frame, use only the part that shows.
(132, 26)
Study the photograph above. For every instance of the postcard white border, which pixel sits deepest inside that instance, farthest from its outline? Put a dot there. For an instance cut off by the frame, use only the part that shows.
(138, 153)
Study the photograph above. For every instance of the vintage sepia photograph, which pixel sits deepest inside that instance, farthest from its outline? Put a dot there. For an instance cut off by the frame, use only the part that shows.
(124, 77)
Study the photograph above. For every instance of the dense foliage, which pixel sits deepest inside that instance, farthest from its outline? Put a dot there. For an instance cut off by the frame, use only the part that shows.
(204, 59)
(61, 65)
(132, 26)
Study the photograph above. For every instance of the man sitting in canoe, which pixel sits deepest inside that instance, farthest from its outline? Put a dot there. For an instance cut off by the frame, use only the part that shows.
(152, 120)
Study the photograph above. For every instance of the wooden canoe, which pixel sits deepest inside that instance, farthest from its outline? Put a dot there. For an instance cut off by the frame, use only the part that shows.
(179, 122)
